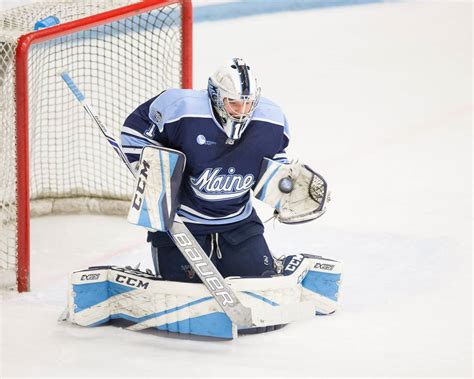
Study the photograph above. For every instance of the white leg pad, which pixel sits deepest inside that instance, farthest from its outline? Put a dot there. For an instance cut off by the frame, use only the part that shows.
(98, 295)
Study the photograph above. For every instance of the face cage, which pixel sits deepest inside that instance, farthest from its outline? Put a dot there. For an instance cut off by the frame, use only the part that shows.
(237, 116)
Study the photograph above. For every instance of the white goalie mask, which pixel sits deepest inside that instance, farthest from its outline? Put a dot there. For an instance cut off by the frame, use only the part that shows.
(234, 94)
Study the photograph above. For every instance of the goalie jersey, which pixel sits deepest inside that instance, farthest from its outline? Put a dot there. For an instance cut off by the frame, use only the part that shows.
(218, 177)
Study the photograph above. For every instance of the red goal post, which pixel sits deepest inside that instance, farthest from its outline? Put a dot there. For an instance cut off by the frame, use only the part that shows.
(129, 22)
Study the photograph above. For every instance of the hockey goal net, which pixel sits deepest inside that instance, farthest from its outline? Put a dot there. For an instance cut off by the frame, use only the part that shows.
(52, 157)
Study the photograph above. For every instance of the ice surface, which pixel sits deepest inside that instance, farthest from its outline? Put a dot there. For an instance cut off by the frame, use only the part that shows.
(379, 101)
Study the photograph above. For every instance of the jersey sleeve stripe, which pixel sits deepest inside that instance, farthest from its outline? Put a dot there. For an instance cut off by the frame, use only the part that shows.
(132, 132)
(280, 156)
(133, 141)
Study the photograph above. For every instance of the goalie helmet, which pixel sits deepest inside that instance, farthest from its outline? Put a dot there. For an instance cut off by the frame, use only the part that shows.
(234, 95)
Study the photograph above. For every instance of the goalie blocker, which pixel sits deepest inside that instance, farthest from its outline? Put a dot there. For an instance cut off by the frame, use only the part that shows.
(155, 200)
(308, 285)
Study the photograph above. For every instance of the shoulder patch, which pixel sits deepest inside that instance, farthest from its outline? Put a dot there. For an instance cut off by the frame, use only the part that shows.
(158, 120)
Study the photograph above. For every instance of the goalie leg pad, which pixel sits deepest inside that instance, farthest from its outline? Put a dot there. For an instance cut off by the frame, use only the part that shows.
(100, 294)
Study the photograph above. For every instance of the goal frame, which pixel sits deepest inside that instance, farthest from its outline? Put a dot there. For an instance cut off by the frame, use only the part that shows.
(22, 115)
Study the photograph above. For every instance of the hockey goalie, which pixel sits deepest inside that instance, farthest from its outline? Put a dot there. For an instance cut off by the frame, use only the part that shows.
(199, 158)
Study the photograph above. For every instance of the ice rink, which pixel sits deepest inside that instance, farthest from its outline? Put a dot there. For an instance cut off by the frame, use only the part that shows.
(379, 100)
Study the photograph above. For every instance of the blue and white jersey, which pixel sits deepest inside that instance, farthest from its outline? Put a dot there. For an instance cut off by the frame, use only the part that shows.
(218, 178)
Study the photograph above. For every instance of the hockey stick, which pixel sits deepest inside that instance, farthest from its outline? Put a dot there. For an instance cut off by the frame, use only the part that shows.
(182, 237)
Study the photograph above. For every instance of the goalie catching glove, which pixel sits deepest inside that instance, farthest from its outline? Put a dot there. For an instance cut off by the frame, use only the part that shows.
(295, 191)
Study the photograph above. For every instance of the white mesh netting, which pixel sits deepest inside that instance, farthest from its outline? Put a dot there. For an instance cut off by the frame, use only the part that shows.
(117, 66)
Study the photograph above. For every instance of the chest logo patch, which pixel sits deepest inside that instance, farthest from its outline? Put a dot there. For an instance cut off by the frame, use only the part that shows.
(212, 185)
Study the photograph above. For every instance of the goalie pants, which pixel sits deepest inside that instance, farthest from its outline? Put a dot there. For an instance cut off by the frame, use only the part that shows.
(241, 251)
